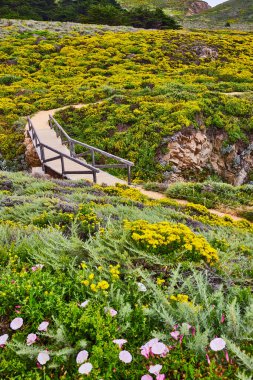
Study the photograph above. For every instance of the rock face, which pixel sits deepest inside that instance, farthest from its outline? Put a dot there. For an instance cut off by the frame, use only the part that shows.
(194, 151)
(197, 7)
(31, 156)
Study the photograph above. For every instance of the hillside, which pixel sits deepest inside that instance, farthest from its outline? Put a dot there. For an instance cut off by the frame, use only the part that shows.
(236, 13)
(90, 274)
(173, 7)
(172, 82)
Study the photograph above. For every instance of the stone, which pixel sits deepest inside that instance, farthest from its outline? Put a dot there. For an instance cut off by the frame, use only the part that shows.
(31, 155)
(194, 150)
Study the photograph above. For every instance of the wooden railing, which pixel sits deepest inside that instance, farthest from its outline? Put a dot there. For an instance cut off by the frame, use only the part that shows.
(71, 143)
(40, 147)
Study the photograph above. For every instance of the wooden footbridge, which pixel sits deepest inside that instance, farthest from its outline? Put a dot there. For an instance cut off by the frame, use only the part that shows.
(57, 152)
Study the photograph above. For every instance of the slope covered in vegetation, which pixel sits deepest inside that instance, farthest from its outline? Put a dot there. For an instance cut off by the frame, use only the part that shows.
(152, 84)
(125, 270)
(232, 13)
(107, 12)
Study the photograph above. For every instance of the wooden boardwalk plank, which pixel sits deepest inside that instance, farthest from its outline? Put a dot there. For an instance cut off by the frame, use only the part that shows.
(48, 137)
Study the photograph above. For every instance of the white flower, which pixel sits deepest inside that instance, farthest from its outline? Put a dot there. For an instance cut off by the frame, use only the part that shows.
(125, 356)
(158, 348)
(217, 344)
(111, 311)
(85, 369)
(84, 304)
(16, 323)
(120, 342)
(141, 287)
(155, 369)
(43, 357)
(3, 339)
(31, 338)
(82, 356)
(43, 326)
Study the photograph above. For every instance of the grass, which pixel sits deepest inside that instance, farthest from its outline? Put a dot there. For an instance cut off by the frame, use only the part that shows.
(238, 199)
(79, 234)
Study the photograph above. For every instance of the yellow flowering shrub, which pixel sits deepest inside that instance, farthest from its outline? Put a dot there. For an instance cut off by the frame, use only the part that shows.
(114, 271)
(168, 238)
(183, 298)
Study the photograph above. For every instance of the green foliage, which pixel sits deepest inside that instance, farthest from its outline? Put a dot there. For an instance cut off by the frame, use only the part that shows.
(216, 195)
(106, 12)
(156, 81)
(47, 272)
(151, 19)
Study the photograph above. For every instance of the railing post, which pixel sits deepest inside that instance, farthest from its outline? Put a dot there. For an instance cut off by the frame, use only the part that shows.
(62, 166)
(42, 156)
(94, 176)
(93, 157)
(129, 174)
(72, 148)
(50, 122)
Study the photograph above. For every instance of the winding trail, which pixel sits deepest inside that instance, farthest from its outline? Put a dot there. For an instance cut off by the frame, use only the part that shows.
(49, 137)
(155, 195)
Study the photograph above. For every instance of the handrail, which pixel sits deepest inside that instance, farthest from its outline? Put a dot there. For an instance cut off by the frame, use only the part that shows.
(60, 155)
(88, 146)
(72, 143)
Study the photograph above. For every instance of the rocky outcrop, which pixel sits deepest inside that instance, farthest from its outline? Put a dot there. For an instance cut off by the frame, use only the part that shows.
(197, 7)
(194, 151)
(31, 155)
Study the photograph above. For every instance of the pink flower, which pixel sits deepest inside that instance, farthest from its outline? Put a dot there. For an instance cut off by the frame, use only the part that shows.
(84, 304)
(158, 348)
(163, 355)
(145, 351)
(43, 326)
(160, 377)
(85, 369)
(155, 369)
(175, 334)
(3, 340)
(125, 357)
(222, 318)
(82, 356)
(37, 266)
(43, 357)
(146, 348)
(111, 311)
(226, 356)
(16, 323)
(120, 342)
(31, 338)
(208, 359)
(217, 344)
(146, 377)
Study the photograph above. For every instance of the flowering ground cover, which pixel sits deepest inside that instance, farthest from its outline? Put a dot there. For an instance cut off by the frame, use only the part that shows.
(152, 83)
(103, 283)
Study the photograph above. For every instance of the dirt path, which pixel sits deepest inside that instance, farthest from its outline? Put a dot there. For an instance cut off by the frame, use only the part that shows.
(155, 195)
(41, 118)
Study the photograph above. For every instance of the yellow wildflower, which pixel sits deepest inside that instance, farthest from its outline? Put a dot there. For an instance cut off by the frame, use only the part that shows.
(103, 285)
(93, 287)
(160, 281)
